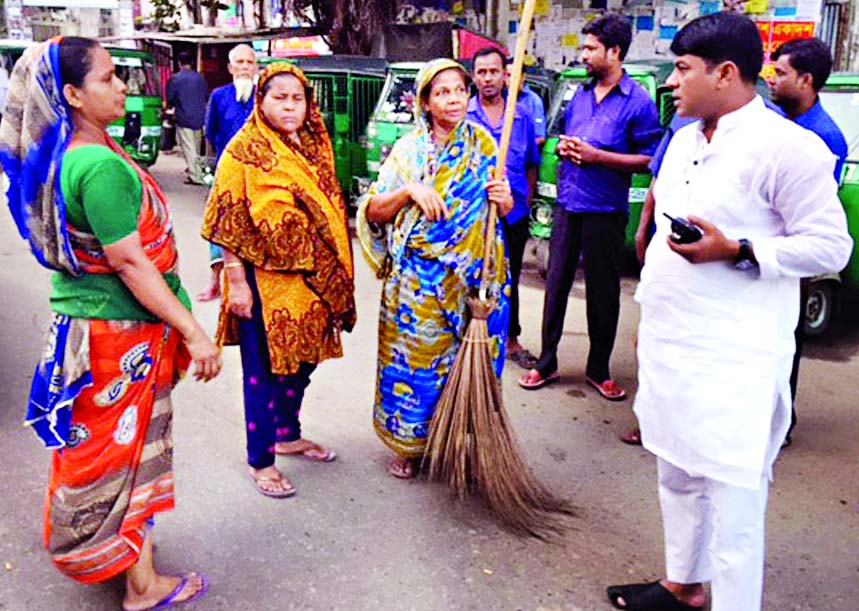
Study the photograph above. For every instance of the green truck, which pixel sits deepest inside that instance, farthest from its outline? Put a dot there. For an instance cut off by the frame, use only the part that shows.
(347, 89)
(651, 76)
(139, 131)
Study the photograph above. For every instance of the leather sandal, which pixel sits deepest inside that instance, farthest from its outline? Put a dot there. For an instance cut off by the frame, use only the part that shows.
(646, 597)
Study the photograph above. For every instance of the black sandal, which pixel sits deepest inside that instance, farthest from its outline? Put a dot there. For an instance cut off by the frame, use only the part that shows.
(646, 597)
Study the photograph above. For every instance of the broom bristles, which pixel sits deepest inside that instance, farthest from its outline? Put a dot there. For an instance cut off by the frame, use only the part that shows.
(471, 446)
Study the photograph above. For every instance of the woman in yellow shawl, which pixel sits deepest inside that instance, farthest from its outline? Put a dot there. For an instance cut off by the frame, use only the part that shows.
(422, 225)
(277, 211)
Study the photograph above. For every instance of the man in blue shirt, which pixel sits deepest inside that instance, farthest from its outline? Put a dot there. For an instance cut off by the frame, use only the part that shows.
(801, 69)
(611, 130)
(229, 108)
(187, 93)
(534, 102)
(523, 158)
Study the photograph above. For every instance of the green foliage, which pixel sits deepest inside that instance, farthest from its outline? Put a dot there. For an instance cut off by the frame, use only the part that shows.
(214, 5)
(166, 15)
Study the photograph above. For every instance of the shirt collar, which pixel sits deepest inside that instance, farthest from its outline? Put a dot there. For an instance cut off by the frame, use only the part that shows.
(810, 115)
(738, 118)
(624, 85)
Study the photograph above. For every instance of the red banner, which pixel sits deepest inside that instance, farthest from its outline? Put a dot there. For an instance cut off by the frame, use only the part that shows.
(775, 33)
(470, 43)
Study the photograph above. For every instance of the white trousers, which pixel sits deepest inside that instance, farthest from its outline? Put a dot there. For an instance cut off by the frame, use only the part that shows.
(190, 141)
(714, 532)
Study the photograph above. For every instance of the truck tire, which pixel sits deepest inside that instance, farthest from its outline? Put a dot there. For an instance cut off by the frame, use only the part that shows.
(817, 308)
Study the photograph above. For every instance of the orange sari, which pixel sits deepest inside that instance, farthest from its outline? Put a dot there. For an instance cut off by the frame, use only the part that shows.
(114, 469)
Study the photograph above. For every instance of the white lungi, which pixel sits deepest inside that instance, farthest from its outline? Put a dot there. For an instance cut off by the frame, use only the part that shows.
(714, 532)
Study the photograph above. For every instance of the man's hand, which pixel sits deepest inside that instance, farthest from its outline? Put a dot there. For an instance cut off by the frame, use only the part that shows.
(580, 152)
(641, 241)
(714, 246)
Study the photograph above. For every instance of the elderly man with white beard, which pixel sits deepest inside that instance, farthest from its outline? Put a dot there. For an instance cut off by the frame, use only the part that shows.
(229, 108)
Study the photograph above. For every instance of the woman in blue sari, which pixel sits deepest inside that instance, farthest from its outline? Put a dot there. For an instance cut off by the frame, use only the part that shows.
(422, 226)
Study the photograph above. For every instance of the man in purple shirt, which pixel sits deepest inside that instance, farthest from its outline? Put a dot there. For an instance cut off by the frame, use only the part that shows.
(611, 130)
(523, 158)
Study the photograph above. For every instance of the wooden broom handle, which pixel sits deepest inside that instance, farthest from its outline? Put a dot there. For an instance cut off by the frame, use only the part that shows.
(504, 145)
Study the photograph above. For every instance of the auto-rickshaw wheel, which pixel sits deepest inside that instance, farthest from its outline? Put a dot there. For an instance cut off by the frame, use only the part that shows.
(817, 308)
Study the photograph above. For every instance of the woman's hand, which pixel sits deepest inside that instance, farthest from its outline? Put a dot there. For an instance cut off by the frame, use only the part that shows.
(206, 356)
(429, 201)
(500, 195)
(240, 300)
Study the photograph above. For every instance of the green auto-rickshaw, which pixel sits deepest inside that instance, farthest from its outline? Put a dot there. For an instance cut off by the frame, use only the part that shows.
(139, 131)
(347, 89)
(840, 98)
(649, 74)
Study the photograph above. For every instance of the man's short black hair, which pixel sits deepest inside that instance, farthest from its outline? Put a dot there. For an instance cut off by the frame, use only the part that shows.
(612, 30)
(185, 59)
(487, 51)
(722, 37)
(808, 56)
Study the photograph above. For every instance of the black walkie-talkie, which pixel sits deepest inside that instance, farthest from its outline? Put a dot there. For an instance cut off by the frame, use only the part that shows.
(682, 231)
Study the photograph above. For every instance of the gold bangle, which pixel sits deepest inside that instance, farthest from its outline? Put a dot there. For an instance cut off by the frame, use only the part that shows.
(233, 264)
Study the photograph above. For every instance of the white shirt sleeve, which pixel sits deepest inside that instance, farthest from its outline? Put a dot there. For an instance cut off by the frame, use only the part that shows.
(806, 196)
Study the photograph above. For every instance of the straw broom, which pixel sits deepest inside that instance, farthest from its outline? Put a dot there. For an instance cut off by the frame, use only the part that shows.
(471, 446)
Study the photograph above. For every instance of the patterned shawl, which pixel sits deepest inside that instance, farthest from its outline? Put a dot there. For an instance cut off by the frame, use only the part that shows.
(34, 134)
(429, 269)
(277, 205)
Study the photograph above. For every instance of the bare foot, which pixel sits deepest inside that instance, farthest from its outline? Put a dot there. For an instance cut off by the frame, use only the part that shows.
(692, 594)
(161, 587)
(211, 292)
(304, 448)
(402, 467)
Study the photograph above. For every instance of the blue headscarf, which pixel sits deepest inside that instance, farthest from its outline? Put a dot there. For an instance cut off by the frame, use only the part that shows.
(34, 134)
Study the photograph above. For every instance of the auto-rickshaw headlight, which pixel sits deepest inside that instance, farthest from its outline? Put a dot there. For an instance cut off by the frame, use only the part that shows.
(542, 212)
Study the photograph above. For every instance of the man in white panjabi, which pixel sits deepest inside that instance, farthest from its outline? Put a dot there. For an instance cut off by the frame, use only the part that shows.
(717, 315)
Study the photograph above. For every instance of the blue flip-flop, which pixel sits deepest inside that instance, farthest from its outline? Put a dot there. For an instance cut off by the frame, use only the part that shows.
(170, 599)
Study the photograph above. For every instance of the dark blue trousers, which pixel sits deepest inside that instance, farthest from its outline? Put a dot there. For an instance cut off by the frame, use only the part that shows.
(272, 402)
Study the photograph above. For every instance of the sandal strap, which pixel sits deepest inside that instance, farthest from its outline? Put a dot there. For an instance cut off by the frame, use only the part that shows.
(168, 600)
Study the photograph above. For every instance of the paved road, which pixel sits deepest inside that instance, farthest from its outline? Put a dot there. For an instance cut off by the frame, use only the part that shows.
(355, 538)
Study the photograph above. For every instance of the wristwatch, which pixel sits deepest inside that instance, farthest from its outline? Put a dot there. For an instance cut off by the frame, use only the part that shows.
(746, 257)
